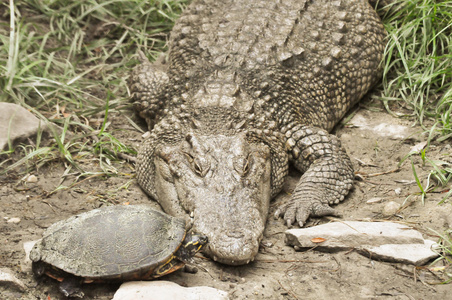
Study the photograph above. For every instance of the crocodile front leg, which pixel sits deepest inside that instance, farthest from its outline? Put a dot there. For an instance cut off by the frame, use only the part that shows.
(327, 179)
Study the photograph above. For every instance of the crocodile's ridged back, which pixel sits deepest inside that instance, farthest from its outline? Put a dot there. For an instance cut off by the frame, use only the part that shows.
(308, 61)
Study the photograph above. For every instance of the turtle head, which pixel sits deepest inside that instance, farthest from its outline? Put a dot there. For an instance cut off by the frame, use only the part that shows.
(193, 243)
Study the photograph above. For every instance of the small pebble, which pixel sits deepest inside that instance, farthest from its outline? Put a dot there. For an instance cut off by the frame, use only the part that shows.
(190, 269)
(398, 191)
(267, 244)
(26, 263)
(146, 135)
(374, 200)
(391, 208)
(418, 147)
(32, 179)
(13, 220)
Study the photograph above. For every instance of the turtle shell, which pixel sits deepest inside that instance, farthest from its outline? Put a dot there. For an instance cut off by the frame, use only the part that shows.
(122, 242)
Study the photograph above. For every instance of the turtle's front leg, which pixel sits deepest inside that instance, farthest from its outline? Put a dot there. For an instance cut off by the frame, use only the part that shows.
(71, 287)
(327, 179)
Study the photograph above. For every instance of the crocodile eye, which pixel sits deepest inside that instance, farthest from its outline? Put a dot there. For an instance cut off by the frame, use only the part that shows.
(246, 166)
(199, 166)
(190, 157)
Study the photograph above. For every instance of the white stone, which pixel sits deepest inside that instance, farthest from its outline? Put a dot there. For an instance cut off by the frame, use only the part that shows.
(353, 234)
(385, 241)
(16, 124)
(414, 254)
(146, 135)
(374, 200)
(13, 220)
(164, 290)
(26, 263)
(8, 278)
(32, 179)
(383, 124)
(390, 208)
(418, 147)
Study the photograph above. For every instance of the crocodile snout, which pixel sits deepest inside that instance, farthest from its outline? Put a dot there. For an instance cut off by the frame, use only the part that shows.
(233, 251)
(234, 238)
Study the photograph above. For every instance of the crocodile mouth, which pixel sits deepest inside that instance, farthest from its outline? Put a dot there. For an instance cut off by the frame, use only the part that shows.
(233, 239)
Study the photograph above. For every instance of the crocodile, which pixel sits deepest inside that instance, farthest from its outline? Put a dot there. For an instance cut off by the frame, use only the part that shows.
(246, 88)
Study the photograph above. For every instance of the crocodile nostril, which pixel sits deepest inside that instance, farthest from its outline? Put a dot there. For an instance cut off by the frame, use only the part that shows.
(220, 189)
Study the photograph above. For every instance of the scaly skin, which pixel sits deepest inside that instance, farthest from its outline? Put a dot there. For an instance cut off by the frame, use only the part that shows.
(246, 87)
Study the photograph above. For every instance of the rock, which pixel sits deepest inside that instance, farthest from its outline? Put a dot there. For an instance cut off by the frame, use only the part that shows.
(353, 234)
(17, 124)
(190, 269)
(146, 135)
(385, 241)
(31, 179)
(374, 200)
(418, 147)
(382, 124)
(26, 263)
(8, 278)
(413, 254)
(390, 208)
(163, 290)
(13, 220)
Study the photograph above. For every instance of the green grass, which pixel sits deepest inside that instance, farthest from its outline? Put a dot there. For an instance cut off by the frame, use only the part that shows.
(68, 62)
(417, 76)
(418, 62)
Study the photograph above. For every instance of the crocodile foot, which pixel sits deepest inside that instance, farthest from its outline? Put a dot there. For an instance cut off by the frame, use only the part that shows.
(300, 210)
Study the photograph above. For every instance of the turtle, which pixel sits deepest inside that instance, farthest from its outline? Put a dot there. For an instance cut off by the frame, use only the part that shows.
(119, 243)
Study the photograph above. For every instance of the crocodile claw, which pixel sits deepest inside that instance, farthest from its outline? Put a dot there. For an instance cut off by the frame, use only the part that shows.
(299, 211)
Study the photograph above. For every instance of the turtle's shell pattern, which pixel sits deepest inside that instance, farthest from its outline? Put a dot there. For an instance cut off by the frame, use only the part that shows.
(114, 242)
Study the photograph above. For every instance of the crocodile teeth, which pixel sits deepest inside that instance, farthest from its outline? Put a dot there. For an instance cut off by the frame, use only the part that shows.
(215, 258)
(248, 261)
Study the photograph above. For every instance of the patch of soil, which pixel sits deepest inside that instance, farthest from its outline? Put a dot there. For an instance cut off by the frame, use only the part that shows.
(278, 272)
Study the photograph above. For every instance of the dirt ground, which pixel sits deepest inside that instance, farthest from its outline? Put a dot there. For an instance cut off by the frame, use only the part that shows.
(279, 272)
